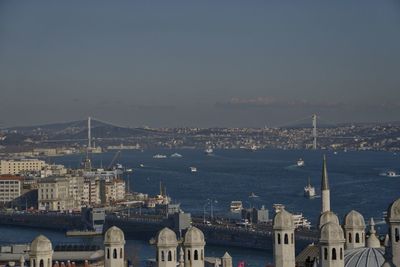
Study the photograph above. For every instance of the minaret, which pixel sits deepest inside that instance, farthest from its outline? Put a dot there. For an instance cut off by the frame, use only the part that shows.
(283, 227)
(194, 247)
(354, 228)
(372, 241)
(393, 220)
(166, 248)
(331, 245)
(226, 260)
(326, 202)
(114, 242)
(41, 253)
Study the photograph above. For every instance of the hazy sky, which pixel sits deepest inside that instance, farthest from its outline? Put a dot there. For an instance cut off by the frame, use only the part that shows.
(199, 63)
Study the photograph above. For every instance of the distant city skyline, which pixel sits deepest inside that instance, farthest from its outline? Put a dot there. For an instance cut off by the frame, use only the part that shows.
(199, 64)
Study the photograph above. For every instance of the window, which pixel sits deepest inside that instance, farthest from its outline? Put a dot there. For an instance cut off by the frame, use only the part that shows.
(341, 253)
(169, 256)
(279, 238)
(115, 253)
(292, 238)
(162, 256)
(334, 254)
(196, 255)
(325, 253)
(286, 241)
(396, 234)
(41, 263)
(121, 253)
(350, 238)
(357, 238)
(188, 255)
(108, 253)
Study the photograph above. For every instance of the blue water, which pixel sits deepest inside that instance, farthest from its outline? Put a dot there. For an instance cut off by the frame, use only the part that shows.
(271, 174)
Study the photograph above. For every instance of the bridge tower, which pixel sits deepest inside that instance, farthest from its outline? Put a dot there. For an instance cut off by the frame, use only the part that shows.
(314, 132)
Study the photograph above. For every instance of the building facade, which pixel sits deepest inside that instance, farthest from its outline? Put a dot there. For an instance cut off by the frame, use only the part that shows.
(18, 166)
(10, 188)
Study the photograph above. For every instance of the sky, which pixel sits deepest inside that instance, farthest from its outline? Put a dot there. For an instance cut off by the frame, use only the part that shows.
(199, 63)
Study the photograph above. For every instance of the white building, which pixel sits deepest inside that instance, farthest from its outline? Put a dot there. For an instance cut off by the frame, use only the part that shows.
(54, 195)
(10, 187)
(18, 166)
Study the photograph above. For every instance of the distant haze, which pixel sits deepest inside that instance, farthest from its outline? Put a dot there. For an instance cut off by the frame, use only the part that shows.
(199, 63)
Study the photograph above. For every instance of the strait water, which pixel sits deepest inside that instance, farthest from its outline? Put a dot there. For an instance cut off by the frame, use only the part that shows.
(354, 178)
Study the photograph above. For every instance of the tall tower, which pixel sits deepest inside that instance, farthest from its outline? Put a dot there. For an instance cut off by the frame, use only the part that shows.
(354, 229)
(284, 253)
(314, 132)
(89, 133)
(166, 248)
(393, 220)
(326, 201)
(227, 260)
(114, 242)
(41, 253)
(331, 245)
(194, 247)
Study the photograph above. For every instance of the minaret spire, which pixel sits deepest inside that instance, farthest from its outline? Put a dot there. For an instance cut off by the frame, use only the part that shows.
(325, 192)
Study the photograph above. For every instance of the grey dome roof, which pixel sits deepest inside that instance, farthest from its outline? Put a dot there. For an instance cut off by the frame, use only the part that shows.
(328, 216)
(166, 237)
(365, 257)
(283, 220)
(41, 244)
(194, 236)
(331, 232)
(114, 235)
(394, 211)
(354, 220)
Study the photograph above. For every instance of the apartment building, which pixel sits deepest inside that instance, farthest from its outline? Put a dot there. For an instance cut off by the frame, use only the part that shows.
(54, 195)
(13, 167)
(10, 188)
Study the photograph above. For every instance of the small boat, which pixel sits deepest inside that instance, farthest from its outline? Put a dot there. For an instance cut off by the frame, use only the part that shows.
(159, 156)
(252, 195)
(309, 190)
(300, 162)
(141, 165)
(209, 151)
(176, 155)
(392, 174)
(193, 169)
(236, 206)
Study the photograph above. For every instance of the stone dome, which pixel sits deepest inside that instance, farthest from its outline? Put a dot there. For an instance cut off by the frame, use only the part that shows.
(331, 232)
(354, 220)
(194, 236)
(114, 235)
(328, 216)
(166, 237)
(365, 257)
(41, 244)
(393, 213)
(283, 220)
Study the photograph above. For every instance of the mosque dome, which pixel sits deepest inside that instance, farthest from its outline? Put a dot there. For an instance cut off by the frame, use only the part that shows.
(283, 220)
(332, 232)
(114, 235)
(194, 236)
(354, 220)
(41, 244)
(365, 257)
(394, 211)
(328, 216)
(166, 237)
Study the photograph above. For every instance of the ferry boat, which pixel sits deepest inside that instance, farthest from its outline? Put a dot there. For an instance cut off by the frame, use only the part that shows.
(236, 206)
(300, 162)
(176, 155)
(159, 156)
(392, 174)
(193, 169)
(300, 221)
(309, 190)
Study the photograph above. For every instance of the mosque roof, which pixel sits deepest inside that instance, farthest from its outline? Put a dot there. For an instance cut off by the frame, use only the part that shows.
(328, 216)
(354, 219)
(166, 237)
(194, 236)
(283, 220)
(365, 257)
(331, 232)
(394, 211)
(114, 235)
(41, 244)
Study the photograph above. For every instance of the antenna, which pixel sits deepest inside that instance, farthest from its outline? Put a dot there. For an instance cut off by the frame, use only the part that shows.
(314, 132)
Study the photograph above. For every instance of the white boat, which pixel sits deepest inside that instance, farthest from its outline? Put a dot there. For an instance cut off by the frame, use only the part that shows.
(141, 165)
(159, 156)
(300, 162)
(253, 148)
(236, 206)
(392, 174)
(252, 195)
(193, 169)
(176, 155)
(309, 190)
(209, 151)
(300, 221)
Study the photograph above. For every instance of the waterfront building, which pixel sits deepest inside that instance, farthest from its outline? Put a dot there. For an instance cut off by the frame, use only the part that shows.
(12, 166)
(53, 194)
(114, 190)
(10, 188)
